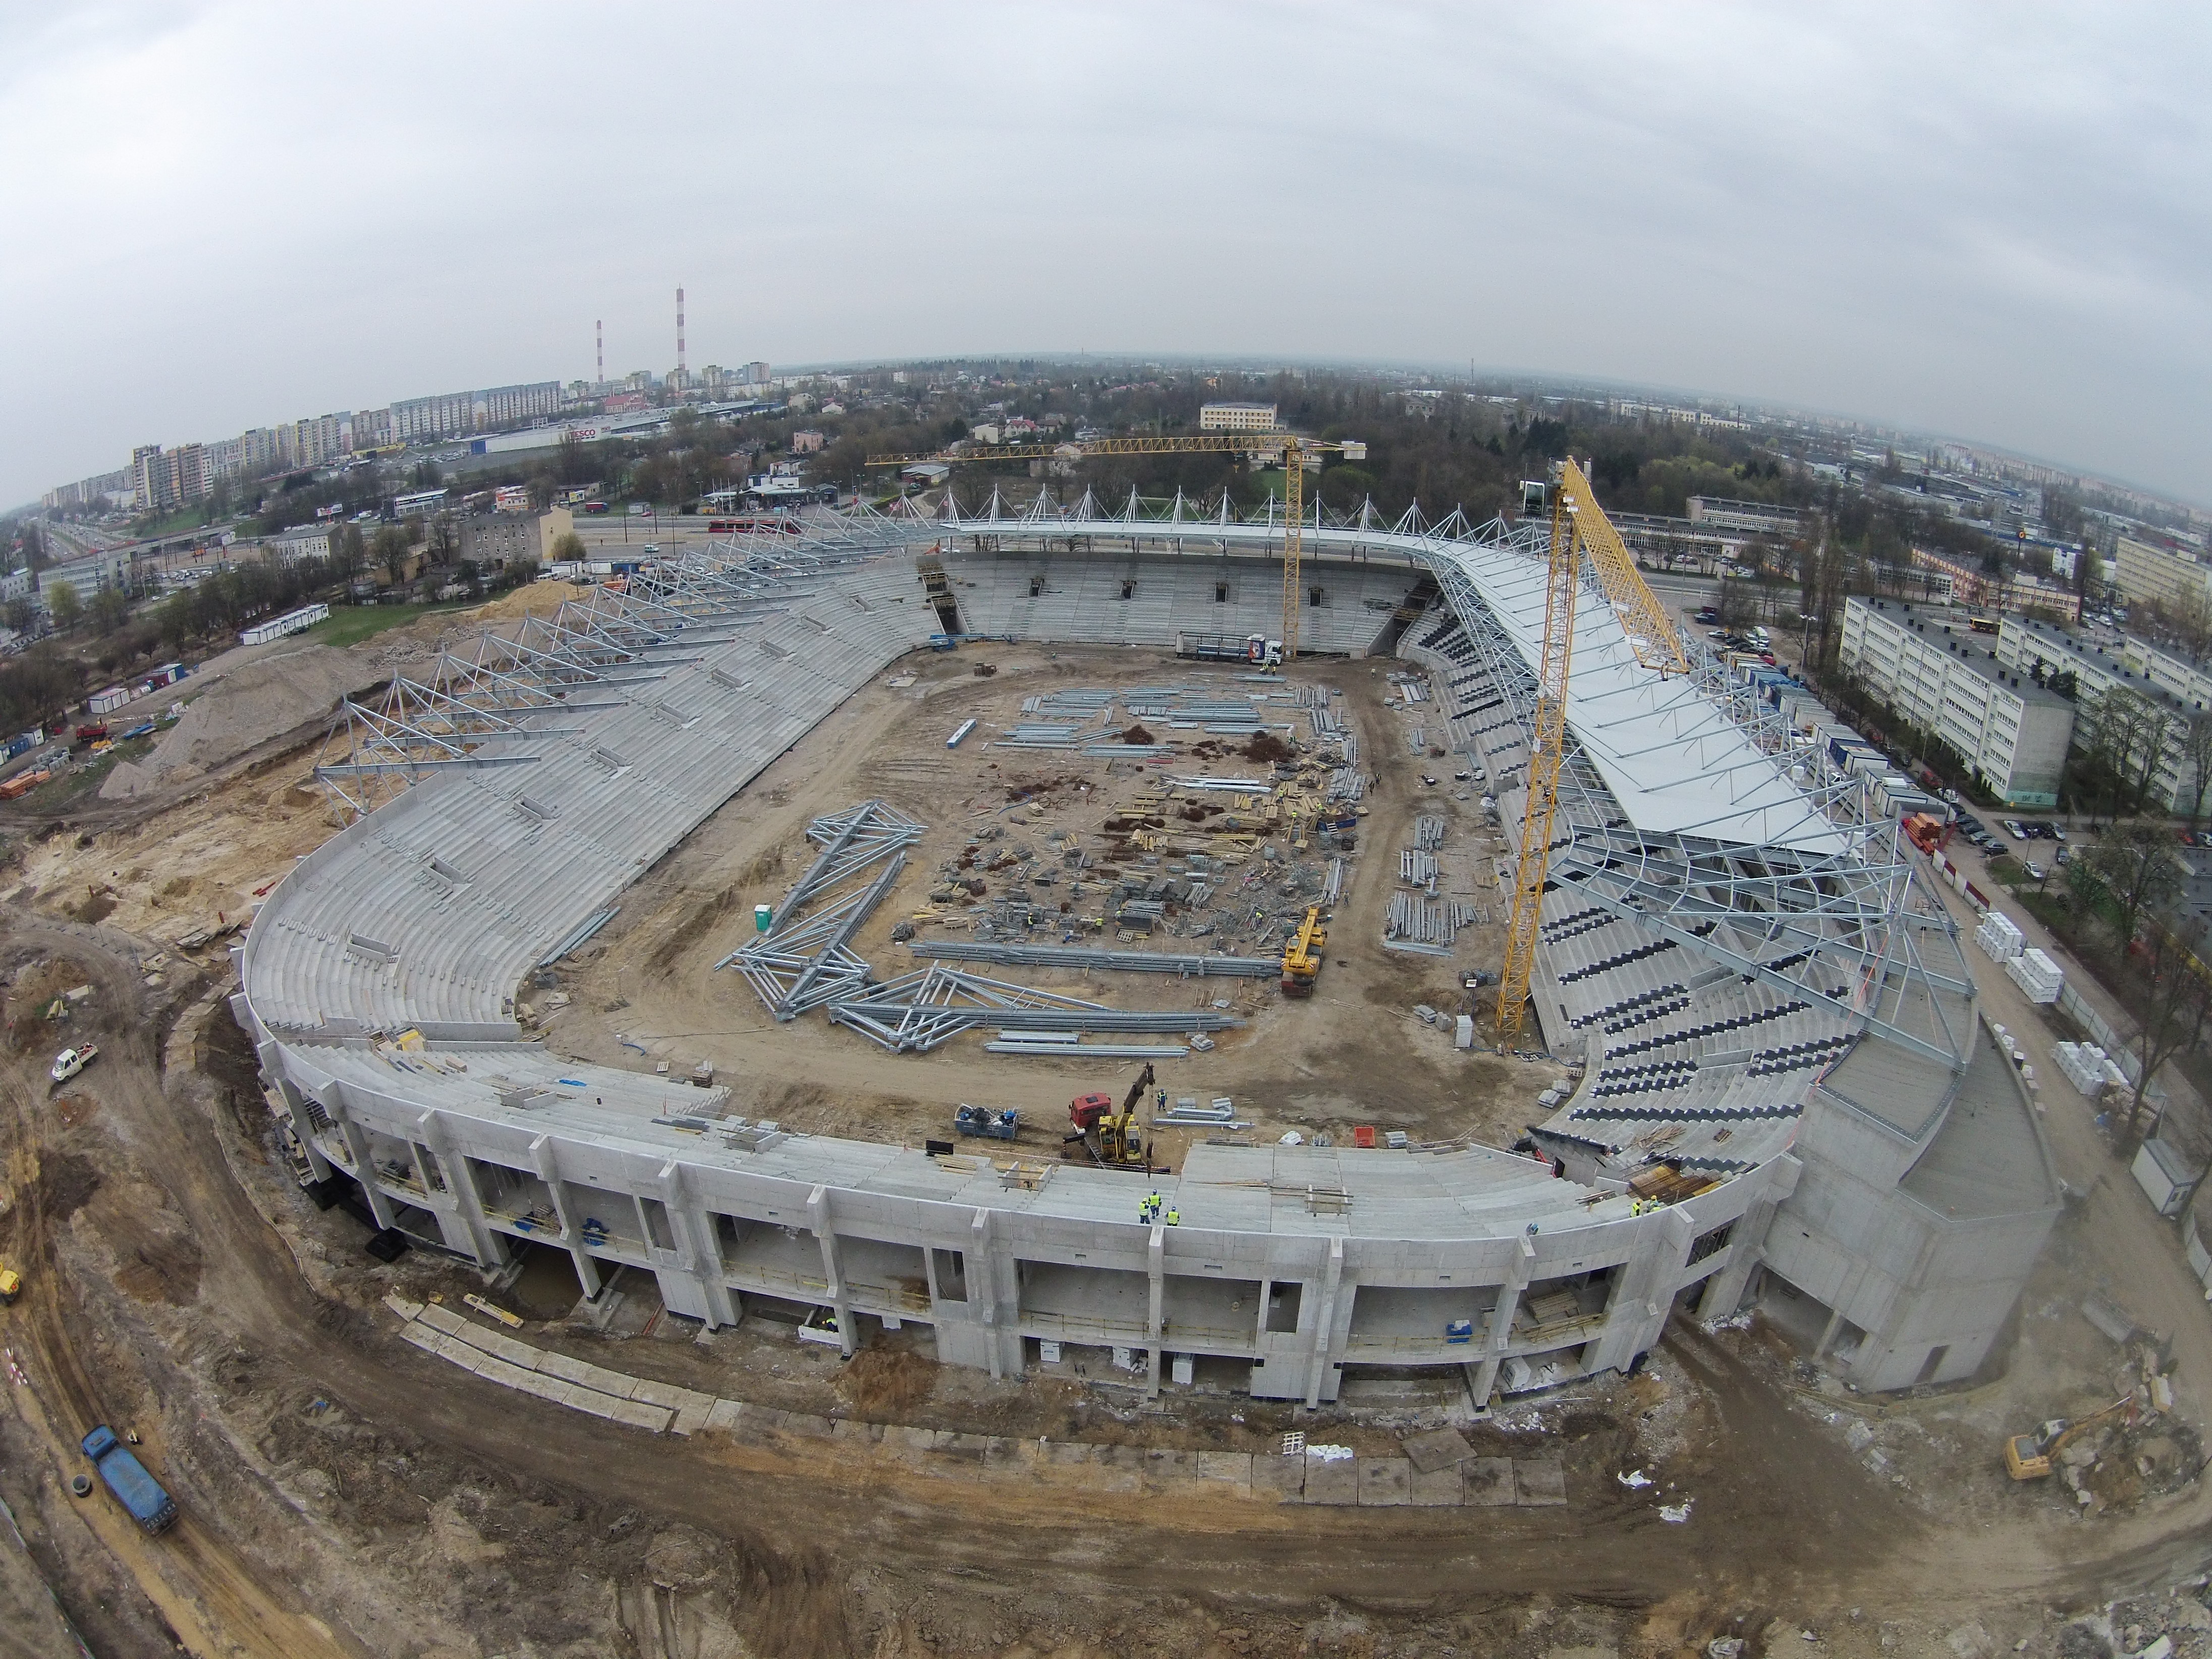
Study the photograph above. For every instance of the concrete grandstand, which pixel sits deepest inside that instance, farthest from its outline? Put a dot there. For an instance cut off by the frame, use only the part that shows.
(1731, 942)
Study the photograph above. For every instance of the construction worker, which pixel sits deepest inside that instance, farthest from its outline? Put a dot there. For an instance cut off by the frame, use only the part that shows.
(1175, 1218)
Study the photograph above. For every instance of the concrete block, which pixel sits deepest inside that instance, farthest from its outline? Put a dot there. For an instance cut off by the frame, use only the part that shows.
(400, 1305)
(1440, 1448)
(1007, 1453)
(1486, 1482)
(1281, 1478)
(656, 1393)
(1383, 1481)
(1165, 1469)
(962, 1448)
(613, 1384)
(498, 1371)
(767, 1419)
(553, 1389)
(1539, 1482)
(653, 1420)
(506, 1348)
(813, 1427)
(914, 1446)
(726, 1415)
(459, 1352)
(1436, 1489)
(443, 1319)
(591, 1401)
(851, 1432)
(568, 1369)
(1118, 1468)
(691, 1416)
(1335, 1480)
(1231, 1468)
(1069, 1454)
(422, 1336)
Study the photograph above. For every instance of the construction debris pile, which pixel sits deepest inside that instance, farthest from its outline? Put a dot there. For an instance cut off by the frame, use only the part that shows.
(2143, 1451)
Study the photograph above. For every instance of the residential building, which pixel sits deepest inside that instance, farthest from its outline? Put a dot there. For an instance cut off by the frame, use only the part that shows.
(371, 429)
(318, 441)
(307, 541)
(2173, 578)
(168, 478)
(1927, 663)
(418, 420)
(756, 374)
(1236, 417)
(494, 540)
(88, 573)
(810, 443)
(2175, 687)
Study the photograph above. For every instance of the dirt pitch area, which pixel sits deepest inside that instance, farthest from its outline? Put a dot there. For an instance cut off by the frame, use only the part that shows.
(1011, 822)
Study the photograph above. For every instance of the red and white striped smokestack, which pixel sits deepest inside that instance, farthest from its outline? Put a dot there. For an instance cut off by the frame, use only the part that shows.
(679, 333)
(599, 331)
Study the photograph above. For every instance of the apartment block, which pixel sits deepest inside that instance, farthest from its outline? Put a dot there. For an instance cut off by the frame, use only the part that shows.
(1236, 417)
(1927, 663)
(2173, 578)
(2177, 687)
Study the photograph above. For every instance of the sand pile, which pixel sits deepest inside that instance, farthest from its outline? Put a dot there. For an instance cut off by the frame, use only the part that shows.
(243, 706)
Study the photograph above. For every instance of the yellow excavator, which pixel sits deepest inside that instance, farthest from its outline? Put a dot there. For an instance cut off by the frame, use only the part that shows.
(2028, 1456)
(11, 1285)
(1302, 958)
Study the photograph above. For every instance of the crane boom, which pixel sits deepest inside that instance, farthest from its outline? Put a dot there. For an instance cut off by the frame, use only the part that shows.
(1579, 526)
(1547, 745)
(1651, 632)
(1294, 447)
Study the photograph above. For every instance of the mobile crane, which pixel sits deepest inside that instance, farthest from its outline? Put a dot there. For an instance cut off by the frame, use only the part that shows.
(1302, 958)
(1294, 449)
(1579, 526)
(1110, 1137)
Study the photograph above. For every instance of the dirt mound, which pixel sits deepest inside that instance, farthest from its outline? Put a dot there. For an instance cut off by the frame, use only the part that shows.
(245, 707)
(1266, 746)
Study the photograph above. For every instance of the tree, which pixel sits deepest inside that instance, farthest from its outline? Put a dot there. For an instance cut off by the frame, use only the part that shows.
(2132, 867)
(2173, 1001)
(63, 605)
(390, 550)
(110, 609)
(445, 540)
(2116, 722)
(21, 615)
(568, 547)
(2196, 750)
(348, 552)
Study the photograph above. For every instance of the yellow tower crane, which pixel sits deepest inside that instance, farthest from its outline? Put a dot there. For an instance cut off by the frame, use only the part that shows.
(1295, 450)
(1579, 526)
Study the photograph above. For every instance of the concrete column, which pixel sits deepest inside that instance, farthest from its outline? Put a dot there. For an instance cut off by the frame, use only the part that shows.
(295, 1109)
(1332, 1275)
(1747, 1249)
(1518, 1272)
(1155, 1272)
(1644, 1292)
(364, 1167)
(460, 1181)
(983, 1288)
(817, 1211)
(694, 1237)
(546, 1162)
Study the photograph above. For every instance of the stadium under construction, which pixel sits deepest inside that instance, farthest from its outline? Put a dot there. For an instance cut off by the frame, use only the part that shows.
(1785, 1080)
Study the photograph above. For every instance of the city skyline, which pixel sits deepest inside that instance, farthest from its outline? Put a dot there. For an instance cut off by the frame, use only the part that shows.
(1821, 213)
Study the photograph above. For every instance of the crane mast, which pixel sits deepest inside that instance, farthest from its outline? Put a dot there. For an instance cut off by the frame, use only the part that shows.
(1295, 450)
(1579, 526)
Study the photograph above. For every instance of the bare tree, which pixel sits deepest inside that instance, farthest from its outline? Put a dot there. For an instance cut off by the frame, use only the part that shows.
(2133, 867)
(2173, 1001)
(2116, 720)
(2157, 726)
(2196, 750)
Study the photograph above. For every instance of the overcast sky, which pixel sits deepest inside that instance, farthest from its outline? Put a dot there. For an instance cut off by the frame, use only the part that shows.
(1987, 222)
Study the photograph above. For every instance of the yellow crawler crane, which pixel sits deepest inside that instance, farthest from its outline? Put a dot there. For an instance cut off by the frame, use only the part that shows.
(1295, 450)
(1578, 525)
(1302, 959)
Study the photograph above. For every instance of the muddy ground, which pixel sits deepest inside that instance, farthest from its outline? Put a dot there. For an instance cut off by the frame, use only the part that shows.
(343, 1493)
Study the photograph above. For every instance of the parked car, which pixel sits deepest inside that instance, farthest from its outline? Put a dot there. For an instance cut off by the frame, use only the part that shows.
(2058, 832)
(2036, 872)
(2012, 829)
